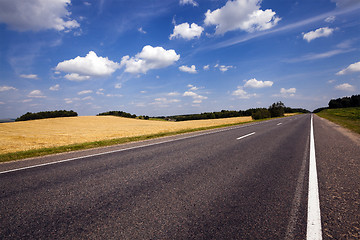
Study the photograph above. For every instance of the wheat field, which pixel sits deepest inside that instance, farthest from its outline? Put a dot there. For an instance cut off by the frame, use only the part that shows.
(21, 136)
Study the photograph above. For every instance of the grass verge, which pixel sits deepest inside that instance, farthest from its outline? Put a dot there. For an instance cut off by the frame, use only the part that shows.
(346, 117)
(88, 145)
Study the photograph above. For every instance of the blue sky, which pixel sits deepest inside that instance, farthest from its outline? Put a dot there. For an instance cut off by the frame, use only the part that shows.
(159, 57)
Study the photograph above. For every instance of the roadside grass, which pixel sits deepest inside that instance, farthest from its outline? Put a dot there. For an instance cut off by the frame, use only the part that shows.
(346, 117)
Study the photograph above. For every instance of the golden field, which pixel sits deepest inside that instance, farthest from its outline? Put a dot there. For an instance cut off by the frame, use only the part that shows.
(21, 136)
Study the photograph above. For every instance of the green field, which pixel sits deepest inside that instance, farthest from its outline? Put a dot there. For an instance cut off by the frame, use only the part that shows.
(346, 117)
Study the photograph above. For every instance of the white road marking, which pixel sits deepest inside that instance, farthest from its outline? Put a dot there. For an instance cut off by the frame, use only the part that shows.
(278, 124)
(247, 135)
(314, 217)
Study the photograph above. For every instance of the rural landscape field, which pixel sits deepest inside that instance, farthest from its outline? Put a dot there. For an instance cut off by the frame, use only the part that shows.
(44, 133)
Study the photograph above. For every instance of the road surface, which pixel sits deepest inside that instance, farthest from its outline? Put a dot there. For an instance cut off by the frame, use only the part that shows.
(243, 182)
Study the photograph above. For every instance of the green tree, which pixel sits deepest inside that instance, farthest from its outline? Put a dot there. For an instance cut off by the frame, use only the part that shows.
(277, 109)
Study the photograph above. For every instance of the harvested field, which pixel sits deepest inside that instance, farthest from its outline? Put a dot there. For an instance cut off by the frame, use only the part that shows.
(21, 136)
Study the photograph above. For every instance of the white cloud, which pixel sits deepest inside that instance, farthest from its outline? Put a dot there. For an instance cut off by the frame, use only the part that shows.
(187, 69)
(173, 94)
(149, 58)
(330, 19)
(88, 98)
(223, 68)
(114, 95)
(345, 3)
(36, 94)
(6, 88)
(55, 87)
(36, 15)
(186, 31)
(242, 94)
(166, 101)
(286, 93)
(320, 32)
(253, 83)
(196, 97)
(355, 67)
(84, 92)
(100, 91)
(83, 68)
(241, 15)
(76, 77)
(191, 2)
(206, 67)
(314, 56)
(29, 76)
(192, 87)
(118, 85)
(345, 87)
(141, 30)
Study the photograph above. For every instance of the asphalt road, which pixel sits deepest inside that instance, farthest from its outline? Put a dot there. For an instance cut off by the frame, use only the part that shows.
(245, 182)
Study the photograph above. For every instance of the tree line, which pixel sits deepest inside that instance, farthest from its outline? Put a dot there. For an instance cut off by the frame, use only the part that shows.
(118, 114)
(47, 114)
(275, 110)
(344, 102)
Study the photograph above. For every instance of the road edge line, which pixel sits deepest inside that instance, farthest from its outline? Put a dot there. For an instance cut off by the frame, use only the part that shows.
(313, 230)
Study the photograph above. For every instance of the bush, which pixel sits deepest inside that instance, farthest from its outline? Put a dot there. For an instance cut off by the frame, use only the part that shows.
(261, 113)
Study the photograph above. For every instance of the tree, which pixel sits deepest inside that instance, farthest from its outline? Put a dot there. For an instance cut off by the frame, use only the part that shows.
(277, 109)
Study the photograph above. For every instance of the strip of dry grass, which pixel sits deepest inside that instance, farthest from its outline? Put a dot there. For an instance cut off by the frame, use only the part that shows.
(56, 132)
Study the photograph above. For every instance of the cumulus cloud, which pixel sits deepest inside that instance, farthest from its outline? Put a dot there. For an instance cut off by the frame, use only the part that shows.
(197, 98)
(345, 87)
(253, 83)
(149, 58)
(242, 94)
(320, 32)
(191, 2)
(6, 88)
(187, 69)
(287, 92)
(243, 15)
(36, 15)
(83, 68)
(206, 67)
(55, 88)
(29, 76)
(36, 94)
(355, 67)
(186, 31)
